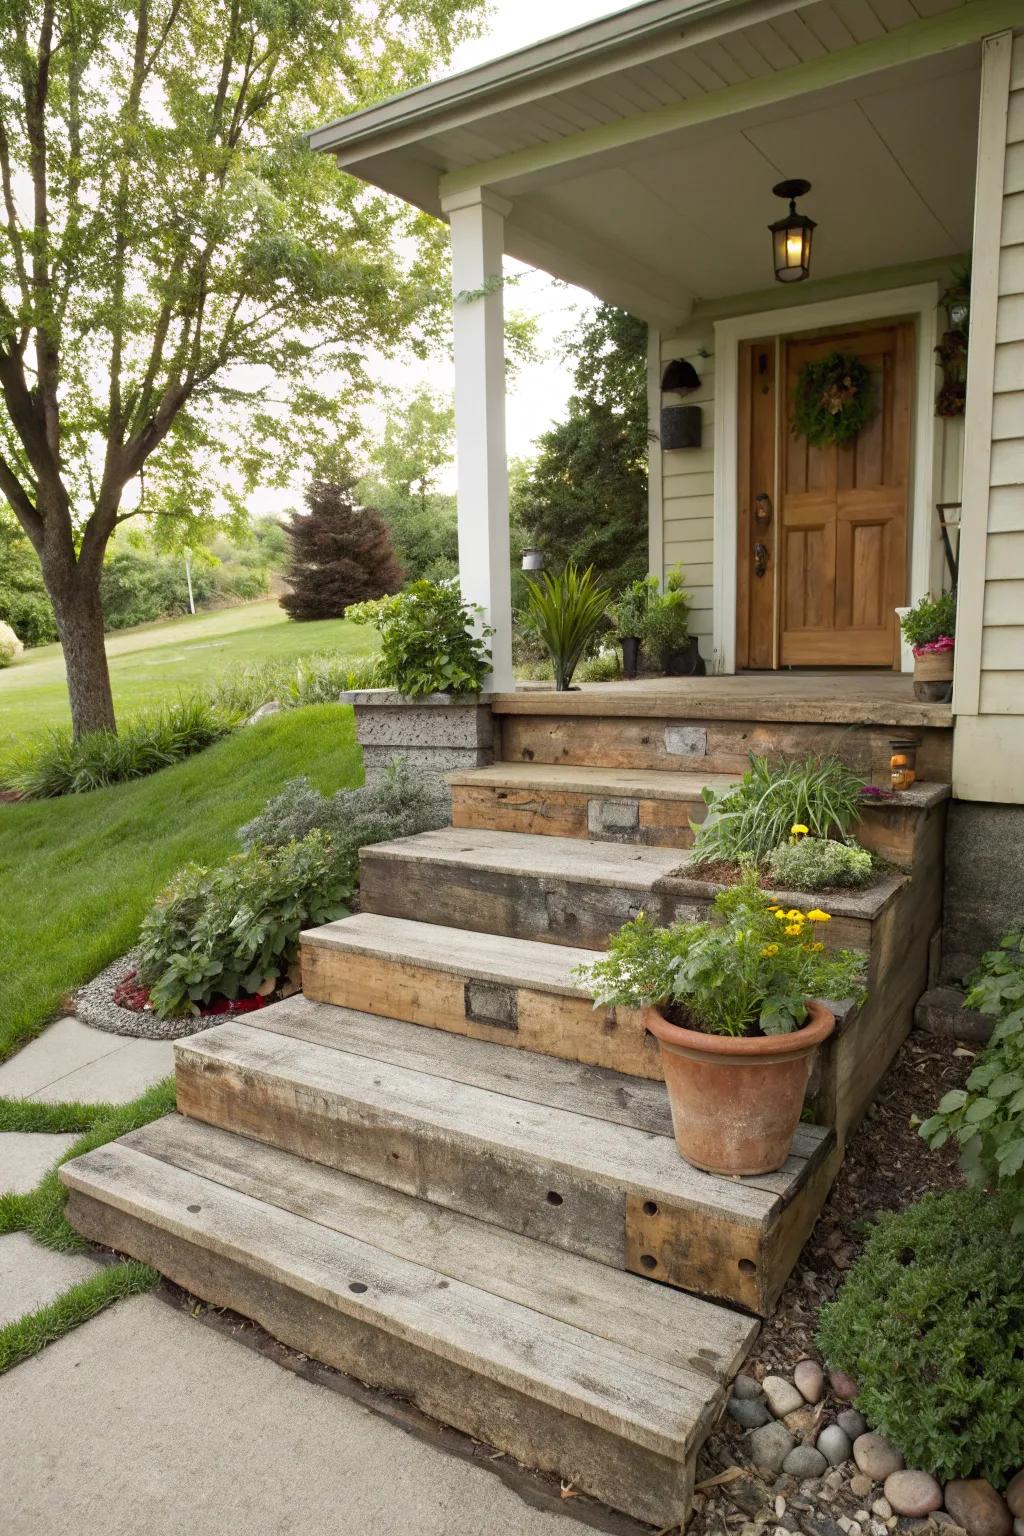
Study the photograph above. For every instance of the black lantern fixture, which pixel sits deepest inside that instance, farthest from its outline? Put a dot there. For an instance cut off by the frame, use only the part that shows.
(791, 236)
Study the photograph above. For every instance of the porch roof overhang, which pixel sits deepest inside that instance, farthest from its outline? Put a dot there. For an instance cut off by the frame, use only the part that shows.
(638, 153)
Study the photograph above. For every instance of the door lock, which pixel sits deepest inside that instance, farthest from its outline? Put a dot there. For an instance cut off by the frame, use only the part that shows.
(760, 559)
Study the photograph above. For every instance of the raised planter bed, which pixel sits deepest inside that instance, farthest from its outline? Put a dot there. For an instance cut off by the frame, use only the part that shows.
(438, 734)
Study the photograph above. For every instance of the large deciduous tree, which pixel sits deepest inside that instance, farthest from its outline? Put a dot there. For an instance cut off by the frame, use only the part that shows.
(186, 290)
(585, 497)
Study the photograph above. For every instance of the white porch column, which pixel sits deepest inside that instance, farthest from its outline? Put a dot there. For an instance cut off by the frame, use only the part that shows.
(477, 220)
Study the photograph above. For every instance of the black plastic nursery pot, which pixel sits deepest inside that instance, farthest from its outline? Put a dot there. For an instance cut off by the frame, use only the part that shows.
(630, 656)
(687, 661)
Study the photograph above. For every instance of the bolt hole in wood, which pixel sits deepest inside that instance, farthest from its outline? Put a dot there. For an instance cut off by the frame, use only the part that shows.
(357, 1287)
(648, 1261)
(650, 1207)
(553, 1197)
(747, 1267)
(195, 1209)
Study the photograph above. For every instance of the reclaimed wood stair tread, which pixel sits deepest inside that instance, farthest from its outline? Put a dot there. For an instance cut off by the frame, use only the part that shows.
(755, 699)
(489, 957)
(613, 783)
(564, 1363)
(364, 1087)
(628, 865)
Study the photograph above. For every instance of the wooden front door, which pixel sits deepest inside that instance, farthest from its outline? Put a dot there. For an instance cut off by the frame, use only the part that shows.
(842, 536)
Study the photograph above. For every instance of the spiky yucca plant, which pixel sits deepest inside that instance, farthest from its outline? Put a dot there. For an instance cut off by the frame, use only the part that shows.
(564, 613)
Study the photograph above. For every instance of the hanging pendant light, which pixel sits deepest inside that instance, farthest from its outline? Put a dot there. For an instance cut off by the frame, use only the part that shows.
(791, 236)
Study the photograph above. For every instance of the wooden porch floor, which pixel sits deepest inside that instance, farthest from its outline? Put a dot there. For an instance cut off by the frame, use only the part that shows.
(842, 698)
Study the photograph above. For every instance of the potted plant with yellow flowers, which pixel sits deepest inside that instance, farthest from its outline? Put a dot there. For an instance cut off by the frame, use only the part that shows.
(736, 1006)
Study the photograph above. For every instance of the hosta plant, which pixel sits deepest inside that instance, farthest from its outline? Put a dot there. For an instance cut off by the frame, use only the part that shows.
(233, 930)
(929, 1322)
(986, 1118)
(751, 970)
(751, 819)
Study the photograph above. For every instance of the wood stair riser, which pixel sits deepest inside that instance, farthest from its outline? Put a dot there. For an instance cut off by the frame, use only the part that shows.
(599, 818)
(519, 1017)
(628, 1477)
(712, 746)
(891, 831)
(545, 907)
(709, 1252)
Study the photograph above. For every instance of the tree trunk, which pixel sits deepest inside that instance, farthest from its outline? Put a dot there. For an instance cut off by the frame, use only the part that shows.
(76, 605)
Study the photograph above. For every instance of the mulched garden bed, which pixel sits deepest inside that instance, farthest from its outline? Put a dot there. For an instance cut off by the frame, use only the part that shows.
(115, 1002)
(887, 1167)
(725, 872)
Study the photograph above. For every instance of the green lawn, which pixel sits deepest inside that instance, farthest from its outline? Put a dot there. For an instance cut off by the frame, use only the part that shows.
(152, 664)
(79, 873)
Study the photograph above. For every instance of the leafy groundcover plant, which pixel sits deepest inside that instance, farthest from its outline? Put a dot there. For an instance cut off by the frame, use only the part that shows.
(818, 864)
(987, 1117)
(750, 971)
(564, 613)
(234, 930)
(429, 642)
(930, 1322)
(399, 806)
(757, 815)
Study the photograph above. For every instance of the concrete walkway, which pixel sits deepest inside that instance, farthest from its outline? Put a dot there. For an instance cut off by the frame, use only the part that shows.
(146, 1419)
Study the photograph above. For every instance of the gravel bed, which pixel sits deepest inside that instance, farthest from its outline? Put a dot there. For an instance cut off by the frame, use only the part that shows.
(94, 1005)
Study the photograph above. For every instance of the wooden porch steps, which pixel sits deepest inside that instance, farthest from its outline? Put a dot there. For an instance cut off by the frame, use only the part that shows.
(647, 806)
(568, 1365)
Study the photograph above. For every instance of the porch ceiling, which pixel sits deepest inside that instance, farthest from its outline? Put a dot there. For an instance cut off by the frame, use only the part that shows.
(639, 153)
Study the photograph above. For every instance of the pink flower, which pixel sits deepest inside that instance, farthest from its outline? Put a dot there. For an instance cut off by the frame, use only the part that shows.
(935, 647)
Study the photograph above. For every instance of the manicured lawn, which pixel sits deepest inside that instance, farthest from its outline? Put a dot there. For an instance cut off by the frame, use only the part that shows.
(79, 873)
(154, 663)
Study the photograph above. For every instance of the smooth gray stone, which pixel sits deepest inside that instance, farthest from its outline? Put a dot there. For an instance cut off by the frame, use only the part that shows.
(835, 1445)
(748, 1411)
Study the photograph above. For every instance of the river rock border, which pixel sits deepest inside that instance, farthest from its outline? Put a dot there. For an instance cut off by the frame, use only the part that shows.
(95, 1006)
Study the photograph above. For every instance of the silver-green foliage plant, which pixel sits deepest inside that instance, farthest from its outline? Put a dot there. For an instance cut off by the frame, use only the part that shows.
(564, 612)
(986, 1118)
(929, 1322)
(235, 929)
(751, 970)
(819, 864)
(751, 819)
(399, 805)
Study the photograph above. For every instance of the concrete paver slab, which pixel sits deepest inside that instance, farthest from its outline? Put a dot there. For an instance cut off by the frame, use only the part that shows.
(25, 1156)
(70, 1061)
(31, 1275)
(167, 1427)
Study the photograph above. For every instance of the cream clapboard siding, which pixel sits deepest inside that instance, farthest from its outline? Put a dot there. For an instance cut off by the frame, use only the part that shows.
(989, 695)
(687, 481)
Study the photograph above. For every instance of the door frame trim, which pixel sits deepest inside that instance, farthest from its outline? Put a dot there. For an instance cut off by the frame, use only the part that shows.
(918, 303)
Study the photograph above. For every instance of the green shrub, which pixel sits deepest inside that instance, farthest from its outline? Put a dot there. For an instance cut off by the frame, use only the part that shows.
(930, 1322)
(24, 603)
(986, 1118)
(428, 643)
(629, 610)
(818, 864)
(236, 929)
(10, 646)
(604, 667)
(930, 619)
(138, 586)
(754, 966)
(564, 612)
(402, 804)
(58, 765)
(750, 820)
(665, 626)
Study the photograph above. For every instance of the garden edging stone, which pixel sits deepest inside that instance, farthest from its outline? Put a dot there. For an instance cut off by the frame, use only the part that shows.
(94, 1005)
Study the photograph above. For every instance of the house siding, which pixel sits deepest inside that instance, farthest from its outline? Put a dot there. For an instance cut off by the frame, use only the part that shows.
(988, 762)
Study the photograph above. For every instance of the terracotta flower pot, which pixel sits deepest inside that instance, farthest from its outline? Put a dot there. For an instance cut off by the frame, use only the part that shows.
(735, 1100)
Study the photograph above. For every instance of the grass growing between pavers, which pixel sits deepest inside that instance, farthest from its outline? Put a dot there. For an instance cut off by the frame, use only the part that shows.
(84, 870)
(40, 1213)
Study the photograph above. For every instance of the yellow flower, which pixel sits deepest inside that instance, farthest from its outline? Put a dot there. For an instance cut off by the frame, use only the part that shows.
(795, 915)
(817, 916)
(797, 831)
(782, 916)
(818, 947)
(770, 949)
(793, 929)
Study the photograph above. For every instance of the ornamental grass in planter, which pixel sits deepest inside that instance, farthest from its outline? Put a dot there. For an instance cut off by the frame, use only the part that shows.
(735, 1004)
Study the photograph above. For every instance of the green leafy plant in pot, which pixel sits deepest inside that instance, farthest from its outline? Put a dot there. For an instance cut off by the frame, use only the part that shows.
(929, 628)
(564, 612)
(734, 1005)
(629, 615)
(665, 630)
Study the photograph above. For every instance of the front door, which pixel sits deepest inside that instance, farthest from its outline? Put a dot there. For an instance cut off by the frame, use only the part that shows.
(842, 536)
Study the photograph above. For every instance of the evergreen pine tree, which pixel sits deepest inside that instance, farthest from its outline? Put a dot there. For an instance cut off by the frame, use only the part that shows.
(340, 553)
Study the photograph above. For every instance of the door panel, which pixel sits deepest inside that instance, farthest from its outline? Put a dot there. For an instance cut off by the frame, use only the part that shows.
(757, 535)
(843, 515)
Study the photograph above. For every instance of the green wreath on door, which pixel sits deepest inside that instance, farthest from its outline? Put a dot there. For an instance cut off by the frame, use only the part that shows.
(834, 399)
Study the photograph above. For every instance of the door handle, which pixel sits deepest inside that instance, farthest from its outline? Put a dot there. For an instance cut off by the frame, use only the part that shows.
(760, 559)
